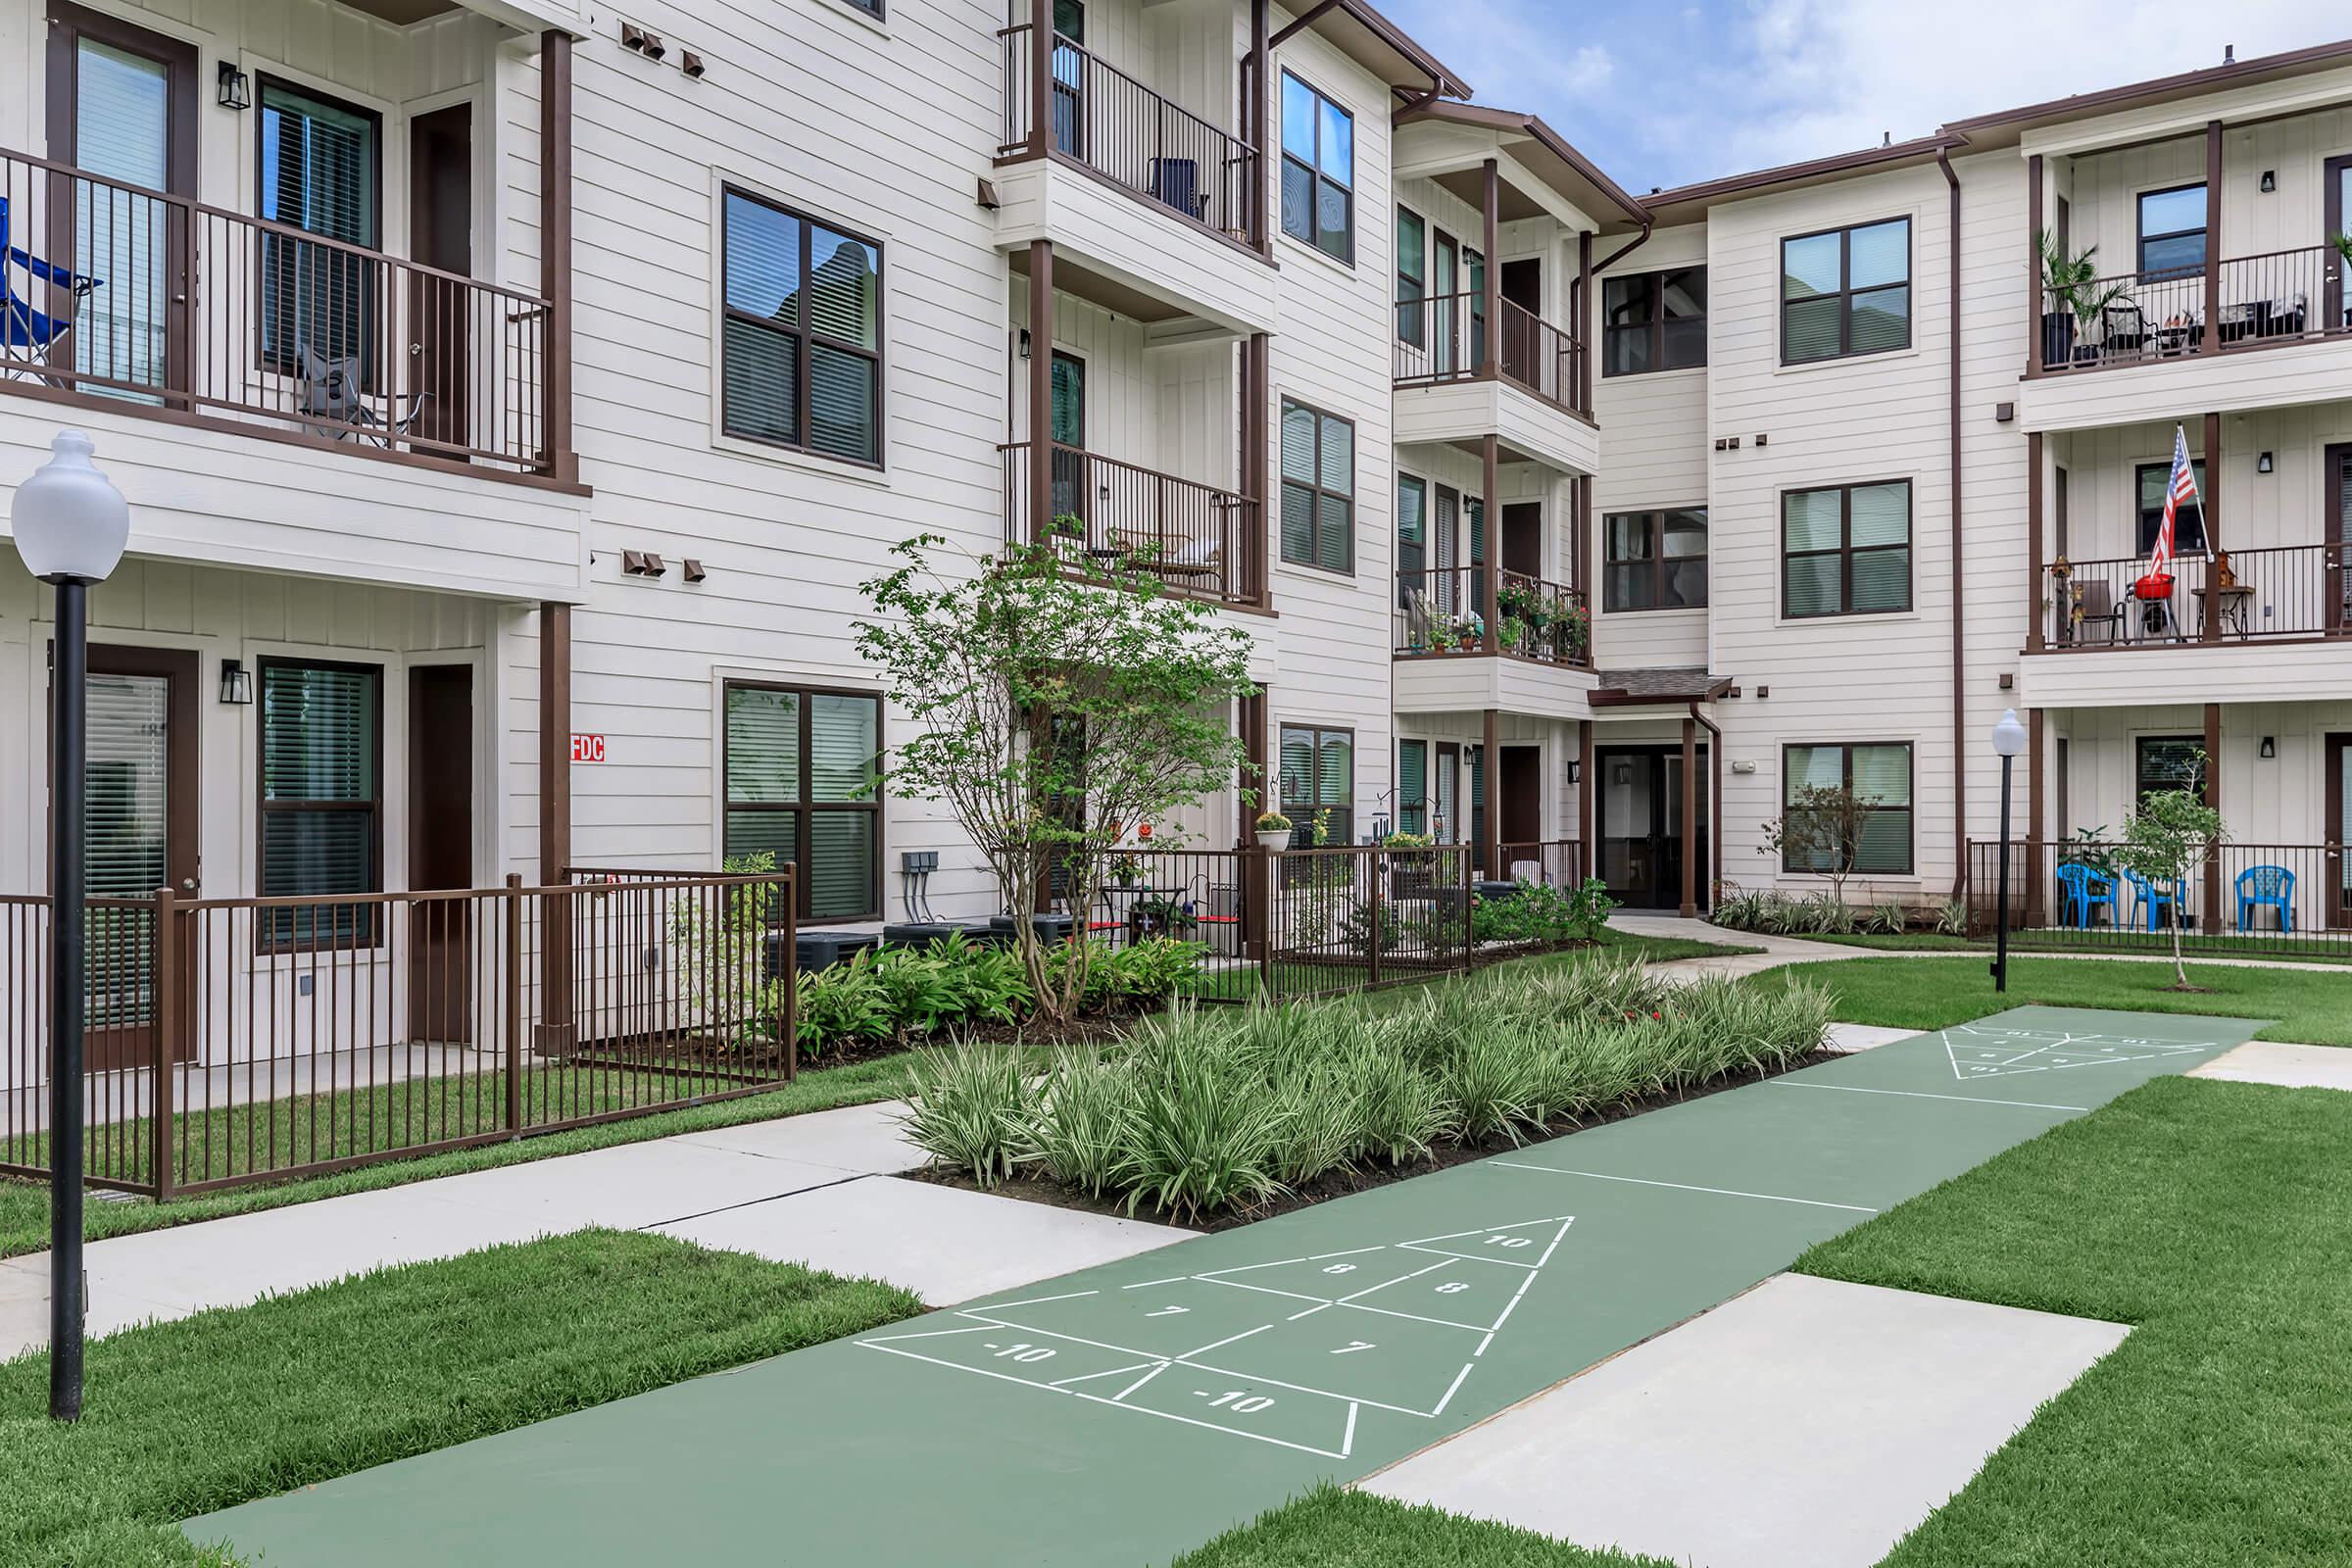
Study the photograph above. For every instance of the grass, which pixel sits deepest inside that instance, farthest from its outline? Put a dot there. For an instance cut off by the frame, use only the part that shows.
(1311, 979)
(1329, 1528)
(188, 1417)
(2160, 945)
(2210, 1216)
(25, 1204)
(1932, 992)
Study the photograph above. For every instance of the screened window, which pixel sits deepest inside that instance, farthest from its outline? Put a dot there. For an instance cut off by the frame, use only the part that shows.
(802, 773)
(1655, 559)
(2188, 528)
(2172, 232)
(1654, 321)
(322, 828)
(1847, 291)
(1318, 488)
(2167, 763)
(319, 167)
(1412, 538)
(1318, 171)
(1846, 550)
(1318, 775)
(1413, 786)
(1880, 778)
(1412, 279)
(802, 349)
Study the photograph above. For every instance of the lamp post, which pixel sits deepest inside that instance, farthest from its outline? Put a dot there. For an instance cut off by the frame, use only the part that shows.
(2008, 739)
(71, 526)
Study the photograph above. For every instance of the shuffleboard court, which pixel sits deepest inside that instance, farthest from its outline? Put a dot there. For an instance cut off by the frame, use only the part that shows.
(1126, 1413)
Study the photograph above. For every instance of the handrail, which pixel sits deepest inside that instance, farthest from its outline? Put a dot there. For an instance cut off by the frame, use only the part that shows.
(2269, 592)
(2269, 297)
(1200, 539)
(1443, 337)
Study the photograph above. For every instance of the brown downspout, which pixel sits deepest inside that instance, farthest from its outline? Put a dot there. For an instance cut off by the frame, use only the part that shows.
(1625, 250)
(1714, 802)
(1691, 813)
(1943, 160)
(554, 249)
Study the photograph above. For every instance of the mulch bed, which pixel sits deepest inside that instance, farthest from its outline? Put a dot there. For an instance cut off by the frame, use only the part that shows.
(1341, 1184)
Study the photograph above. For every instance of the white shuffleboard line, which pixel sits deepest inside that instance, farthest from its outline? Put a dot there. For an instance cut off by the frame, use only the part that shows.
(1918, 1094)
(1687, 1187)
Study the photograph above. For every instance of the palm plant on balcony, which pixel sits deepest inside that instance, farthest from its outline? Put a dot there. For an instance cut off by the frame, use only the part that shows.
(2073, 284)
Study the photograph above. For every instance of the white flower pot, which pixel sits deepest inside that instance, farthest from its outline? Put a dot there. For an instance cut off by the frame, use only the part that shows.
(1274, 838)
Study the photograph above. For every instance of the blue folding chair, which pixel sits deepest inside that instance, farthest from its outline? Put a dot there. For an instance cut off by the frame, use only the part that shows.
(2085, 888)
(2271, 885)
(2149, 898)
(25, 332)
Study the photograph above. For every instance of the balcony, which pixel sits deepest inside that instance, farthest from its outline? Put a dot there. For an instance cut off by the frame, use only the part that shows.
(1451, 656)
(2268, 301)
(138, 300)
(1201, 540)
(1530, 395)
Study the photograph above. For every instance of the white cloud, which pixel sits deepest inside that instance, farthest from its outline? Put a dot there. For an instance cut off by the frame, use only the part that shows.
(1513, 53)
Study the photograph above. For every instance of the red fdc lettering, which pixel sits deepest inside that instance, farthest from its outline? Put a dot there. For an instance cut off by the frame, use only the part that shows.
(587, 748)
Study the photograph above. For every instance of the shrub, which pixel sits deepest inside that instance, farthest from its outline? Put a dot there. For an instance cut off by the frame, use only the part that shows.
(843, 1003)
(1202, 1133)
(1541, 912)
(988, 982)
(1951, 917)
(1887, 919)
(968, 1106)
(1078, 1133)
(1491, 1082)
(916, 991)
(1830, 917)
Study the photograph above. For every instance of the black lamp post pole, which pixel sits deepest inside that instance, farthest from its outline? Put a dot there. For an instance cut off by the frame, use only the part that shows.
(2000, 952)
(66, 852)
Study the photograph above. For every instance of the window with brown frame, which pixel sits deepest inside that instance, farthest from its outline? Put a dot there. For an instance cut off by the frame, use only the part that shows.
(1318, 780)
(1879, 776)
(1318, 171)
(1318, 488)
(1845, 291)
(1654, 560)
(2167, 763)
(318, 167)
(2172, 232)
(1846, 550)
(1412, 278)
(802, 772)
(801, 351)
(321, 802)
(2152, 480)
(1654, 321)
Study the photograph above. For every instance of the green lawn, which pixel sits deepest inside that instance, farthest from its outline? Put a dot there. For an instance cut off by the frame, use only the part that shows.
(1931, 993)
(2223, 951)
(25, 1204)
(1335, 978)
(184, 1418)
(1334, 1529)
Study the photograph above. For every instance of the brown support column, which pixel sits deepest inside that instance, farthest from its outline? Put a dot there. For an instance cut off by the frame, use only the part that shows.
(2213, 241)
(2034, 304)
(555, 248)
(1262, 232)
(555, 828)
(1690, 817)
(1041, 76)
(1489, 358)
(2036, 756)
(1257, 584)
(2035, 573)
(1491, 785)
(1581, 530)
(1488, 468)
(1256, 865)
(1584, 311)
(1040, 394)
(2213, 799)
(2211, 631)
(1587, 855)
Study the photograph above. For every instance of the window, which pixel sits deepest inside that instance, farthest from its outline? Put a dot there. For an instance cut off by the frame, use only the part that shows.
(2172, 232)
(802, 350)
(320, 165)
(1318, 775)
(1318, 488)
(1879, 776)
(1847, 291)
(2188, 528)
(1655, 559)
(1413, 786)
(802, 773)
(1318, 171)
(1846, 550)
(1412, 279)
(1654, 321)
(2167, 763)
(1412, 546)
(322, 828)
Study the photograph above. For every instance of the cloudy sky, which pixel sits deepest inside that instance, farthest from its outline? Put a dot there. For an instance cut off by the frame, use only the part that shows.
(1661, 93)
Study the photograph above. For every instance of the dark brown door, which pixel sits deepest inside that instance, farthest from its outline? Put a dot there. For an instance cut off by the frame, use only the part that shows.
(2336, 499)
(2336, 303)
(140, 780)
(2338, 897)
(440, 852)
(1522, 797)
(1523, 538)
(1640, 817)
(1522, 346)
(441, 322)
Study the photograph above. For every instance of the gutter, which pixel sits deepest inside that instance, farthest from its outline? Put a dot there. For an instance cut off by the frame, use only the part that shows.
(1625, 250)
(1943, 162)
(1714, 805)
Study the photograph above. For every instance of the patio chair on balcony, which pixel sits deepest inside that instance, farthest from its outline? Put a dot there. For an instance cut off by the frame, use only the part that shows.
(1177, 183)
(2096, 606)
(2122, 331)
(25, 332)
(2151, 901)
(2271, 886)
(2083, 889)
(334, 390)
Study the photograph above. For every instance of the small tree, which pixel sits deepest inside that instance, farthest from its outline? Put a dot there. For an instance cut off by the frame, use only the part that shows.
(2171, 834)
(1059, 702)
(1822, 831)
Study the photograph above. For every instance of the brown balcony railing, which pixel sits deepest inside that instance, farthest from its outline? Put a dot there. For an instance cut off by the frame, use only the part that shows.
(1104, 119)
(149, 300)
(2284, 591)
(1443, 338)
(1443, 609)
(1199, 539)
(2140, 318)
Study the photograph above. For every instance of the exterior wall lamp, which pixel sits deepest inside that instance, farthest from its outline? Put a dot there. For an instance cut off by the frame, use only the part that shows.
(236, 683)
(2270, 746)
(233, 91)
(2264, 464)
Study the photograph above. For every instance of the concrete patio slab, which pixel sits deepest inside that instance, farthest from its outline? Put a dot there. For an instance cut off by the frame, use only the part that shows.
(631, 1186)
(1853, 1037)
(866, 1138)
(1823, 1421)
(942, 1243)
(2290, 1067)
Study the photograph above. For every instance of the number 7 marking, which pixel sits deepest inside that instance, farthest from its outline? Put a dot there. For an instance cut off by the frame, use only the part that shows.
(1355, 1345)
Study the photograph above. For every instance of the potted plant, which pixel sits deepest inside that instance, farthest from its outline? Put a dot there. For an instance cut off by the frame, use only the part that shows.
(2073, 283)
(1273, 830)
(1473, 630)
(1512, 630)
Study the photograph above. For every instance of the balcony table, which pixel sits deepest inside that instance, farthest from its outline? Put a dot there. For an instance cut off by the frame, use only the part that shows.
(2229, 604)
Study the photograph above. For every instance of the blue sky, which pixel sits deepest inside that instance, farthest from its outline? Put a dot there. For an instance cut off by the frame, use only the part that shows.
(1663, 94)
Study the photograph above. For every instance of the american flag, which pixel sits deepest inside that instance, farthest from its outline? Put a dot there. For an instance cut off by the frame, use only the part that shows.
(2183, 487)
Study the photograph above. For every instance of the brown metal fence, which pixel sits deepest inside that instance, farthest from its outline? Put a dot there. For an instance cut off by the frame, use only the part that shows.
(240, 1039)
(1551, 862)
(2272, 901)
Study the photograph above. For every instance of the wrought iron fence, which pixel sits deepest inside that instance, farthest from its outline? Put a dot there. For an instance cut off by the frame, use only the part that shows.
(2135, 317)
(1199, 539)
(2279, 900)
(2276, 591)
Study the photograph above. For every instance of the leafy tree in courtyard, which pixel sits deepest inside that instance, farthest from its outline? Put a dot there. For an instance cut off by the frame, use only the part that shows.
(2171, 834)
(1061, 702)
(1821, 830)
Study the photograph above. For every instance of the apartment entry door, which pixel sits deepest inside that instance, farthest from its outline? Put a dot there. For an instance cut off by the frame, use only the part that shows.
(1640, 823)
(141, 782)
(441, 931)
(1522, 788)
(441, 236)
(2336, 899)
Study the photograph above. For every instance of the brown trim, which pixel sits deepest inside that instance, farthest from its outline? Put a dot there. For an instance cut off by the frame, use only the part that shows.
(2335, 474)
(1583, 799)
(2034, 227)
(1489, 270)
(1490, 778)
(2036, 562)
(1059, 159)
(1653, 328)
(2210, 515)
(1441, 79)
(2213, 799)
(2213, 235)
(265, 939)
(2312, 640)
(2182, 83)
(1486, 539)
(1959, 531)
(1846, 551)
(1689, 855)
(1254, 127)
(803, 335)
(1317, 491)
(2333, 175)
(1845, 291)
(1846, 778)
(1318, 731)
(1714, 805)
(1315, 175)
(555, 741)
(1508, 122)
(2338, 783)
(804, 810)
(1257, 388)
(1653, 527)
(1040, 390)
(2037, 758)
(1618, 697)
(1918, 147)
(556, 247)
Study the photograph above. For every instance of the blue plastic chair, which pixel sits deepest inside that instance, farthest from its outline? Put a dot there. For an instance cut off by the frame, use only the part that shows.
(25, 332)
(2271, 885)
(2086, 887)
(2148, 897)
